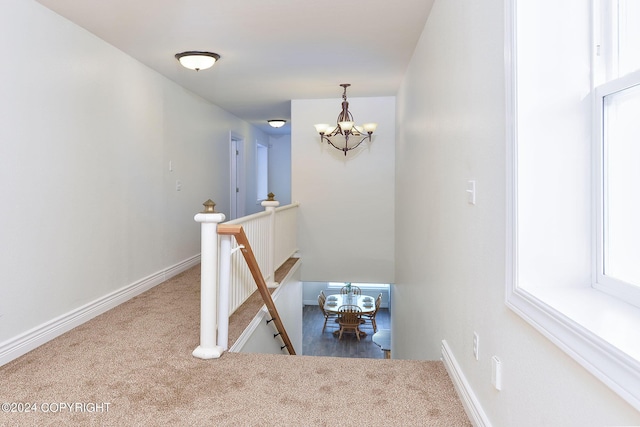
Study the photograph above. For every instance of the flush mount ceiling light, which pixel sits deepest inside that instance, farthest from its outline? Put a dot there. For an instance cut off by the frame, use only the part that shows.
(276, 123)
(196, 60)
(345, 136)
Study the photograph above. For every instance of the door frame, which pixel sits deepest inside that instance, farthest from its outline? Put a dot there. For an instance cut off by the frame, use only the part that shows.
(237, 174)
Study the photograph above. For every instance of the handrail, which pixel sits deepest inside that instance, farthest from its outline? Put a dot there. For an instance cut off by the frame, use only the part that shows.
(248, 217)
(237, 231)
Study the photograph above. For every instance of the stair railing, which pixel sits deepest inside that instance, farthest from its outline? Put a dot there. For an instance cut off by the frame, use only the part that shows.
(247, 252)
(226, 280)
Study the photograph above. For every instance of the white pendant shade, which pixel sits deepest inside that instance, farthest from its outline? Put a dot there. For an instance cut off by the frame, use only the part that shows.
(196, 60)
(322, 127)
(370, 127)
(276, 123)
(345, 126)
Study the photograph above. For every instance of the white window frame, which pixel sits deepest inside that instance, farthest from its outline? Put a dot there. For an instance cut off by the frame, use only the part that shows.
(598, 331)
(376, 286)
(617, 288)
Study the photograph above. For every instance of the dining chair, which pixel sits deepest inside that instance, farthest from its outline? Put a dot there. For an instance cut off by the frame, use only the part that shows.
(349, 317)
(354, 290)
(371, 317)
(327, 315)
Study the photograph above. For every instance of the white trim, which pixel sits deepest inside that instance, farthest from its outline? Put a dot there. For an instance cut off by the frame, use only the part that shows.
(613, 366)
(178, 268)
(35, 337)
(511, 149)
(469, 400)
(629, 292)
(618, 85)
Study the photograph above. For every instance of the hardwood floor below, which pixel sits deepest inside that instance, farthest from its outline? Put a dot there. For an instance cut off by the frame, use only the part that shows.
(318, 343)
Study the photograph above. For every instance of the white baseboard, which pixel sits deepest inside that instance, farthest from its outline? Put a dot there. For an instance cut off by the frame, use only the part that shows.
(35, 337)
(469, 400)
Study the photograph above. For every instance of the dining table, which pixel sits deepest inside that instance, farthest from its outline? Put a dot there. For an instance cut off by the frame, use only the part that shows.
(366, 303)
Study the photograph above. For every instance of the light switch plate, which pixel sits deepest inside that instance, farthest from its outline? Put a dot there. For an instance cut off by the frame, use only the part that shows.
(496, 373)
(471, 192)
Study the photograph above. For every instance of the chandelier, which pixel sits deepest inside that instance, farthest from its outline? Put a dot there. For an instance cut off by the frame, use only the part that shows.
(345, 136)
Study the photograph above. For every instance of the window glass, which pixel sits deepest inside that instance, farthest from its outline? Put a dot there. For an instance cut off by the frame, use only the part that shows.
(621, 185)
(339, 285)
(628, 52)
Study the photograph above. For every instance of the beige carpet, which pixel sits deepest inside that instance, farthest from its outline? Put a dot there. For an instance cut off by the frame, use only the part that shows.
(133, 366)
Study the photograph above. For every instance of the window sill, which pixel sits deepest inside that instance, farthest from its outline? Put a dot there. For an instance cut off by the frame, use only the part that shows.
(598, 331)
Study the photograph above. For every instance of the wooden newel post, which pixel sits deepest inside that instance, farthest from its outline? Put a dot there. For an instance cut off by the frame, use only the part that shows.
(270, 206)
(209, 220)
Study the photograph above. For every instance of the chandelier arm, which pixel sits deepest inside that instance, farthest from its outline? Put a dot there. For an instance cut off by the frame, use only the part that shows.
(336, 131)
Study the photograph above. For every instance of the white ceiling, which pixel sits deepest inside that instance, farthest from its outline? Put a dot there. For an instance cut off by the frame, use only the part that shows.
(272, 51)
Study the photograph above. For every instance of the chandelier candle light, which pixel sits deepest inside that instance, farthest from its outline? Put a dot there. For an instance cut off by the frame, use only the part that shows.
(345, 136)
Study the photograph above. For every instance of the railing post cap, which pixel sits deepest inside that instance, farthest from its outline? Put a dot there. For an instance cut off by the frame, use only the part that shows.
(271, 202)
(209, 214)
(209, 206)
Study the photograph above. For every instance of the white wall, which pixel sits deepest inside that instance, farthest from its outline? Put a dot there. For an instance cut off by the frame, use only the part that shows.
(450, 256)
(89, 205)
(346, 216)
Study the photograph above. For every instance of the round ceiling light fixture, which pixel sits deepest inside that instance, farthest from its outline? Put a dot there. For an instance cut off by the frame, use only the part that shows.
(276, 123)
(197, 60)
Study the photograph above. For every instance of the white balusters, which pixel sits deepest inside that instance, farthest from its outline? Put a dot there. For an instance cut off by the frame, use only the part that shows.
(225, 276)
(270, 206)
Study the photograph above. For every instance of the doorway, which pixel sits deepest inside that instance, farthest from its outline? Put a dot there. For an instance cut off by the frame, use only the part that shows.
(236, 189)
